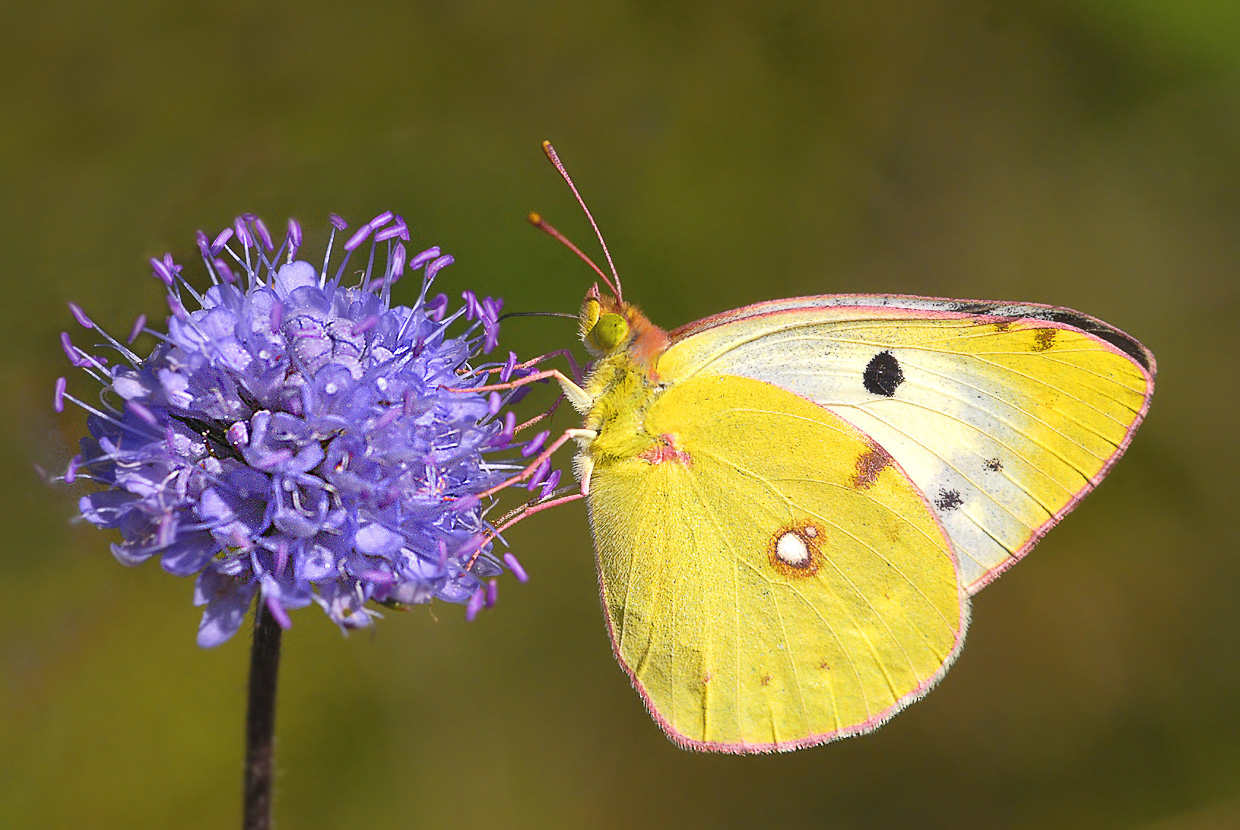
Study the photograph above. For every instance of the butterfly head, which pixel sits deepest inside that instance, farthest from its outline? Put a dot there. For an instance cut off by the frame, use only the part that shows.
(609, 325)
(604, 323)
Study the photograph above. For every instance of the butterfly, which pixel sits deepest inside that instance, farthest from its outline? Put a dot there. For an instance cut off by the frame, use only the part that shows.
(793, 502)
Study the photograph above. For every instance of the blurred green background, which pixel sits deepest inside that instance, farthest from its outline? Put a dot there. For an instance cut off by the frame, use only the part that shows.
(1084, 154)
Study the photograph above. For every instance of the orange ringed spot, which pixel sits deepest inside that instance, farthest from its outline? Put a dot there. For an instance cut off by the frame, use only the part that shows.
(794, 550)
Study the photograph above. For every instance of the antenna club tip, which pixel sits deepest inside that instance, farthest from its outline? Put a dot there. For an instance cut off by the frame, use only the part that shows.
(534, 218)
(546, 145)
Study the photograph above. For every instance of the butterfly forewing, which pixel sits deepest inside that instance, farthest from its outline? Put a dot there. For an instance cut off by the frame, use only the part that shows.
(1003, 422)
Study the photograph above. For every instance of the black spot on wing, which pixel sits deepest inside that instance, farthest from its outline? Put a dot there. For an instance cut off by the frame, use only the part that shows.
(948, 500)
(883, 374)
(994, 465)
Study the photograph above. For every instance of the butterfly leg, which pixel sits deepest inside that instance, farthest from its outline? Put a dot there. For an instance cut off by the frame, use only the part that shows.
(573, 366)
(513, 517)
(577, 396)
(536, 506)
(580, 435)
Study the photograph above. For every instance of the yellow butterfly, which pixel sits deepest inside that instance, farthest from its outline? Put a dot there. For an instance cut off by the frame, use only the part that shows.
(793, 502)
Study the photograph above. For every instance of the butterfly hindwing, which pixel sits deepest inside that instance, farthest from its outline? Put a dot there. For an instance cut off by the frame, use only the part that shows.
(1004, 415)
(771, 576)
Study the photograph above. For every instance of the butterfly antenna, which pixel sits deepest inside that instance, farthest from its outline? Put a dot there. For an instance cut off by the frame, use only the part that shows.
(543, 225)
(554, 158)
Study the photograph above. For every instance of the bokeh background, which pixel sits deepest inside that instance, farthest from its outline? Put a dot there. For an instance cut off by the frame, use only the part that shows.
(1076, 152)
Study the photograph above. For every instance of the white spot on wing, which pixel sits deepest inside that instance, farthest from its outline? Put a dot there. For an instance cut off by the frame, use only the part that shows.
(791, 550)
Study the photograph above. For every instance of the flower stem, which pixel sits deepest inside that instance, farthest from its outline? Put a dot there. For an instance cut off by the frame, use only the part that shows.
(260, 721)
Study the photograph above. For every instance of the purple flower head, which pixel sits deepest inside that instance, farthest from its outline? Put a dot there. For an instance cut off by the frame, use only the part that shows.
(298, 439)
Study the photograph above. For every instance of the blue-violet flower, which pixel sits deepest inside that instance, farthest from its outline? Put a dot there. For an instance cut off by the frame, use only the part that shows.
(299, 439)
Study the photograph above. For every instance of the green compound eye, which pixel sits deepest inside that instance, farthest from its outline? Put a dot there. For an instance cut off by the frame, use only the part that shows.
(609, 332)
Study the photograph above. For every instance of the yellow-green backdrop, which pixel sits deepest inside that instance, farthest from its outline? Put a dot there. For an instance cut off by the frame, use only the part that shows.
(1081, 153)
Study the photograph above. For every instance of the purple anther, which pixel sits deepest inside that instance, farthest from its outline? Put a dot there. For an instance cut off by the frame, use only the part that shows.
(552, 482)
(220, 241)
(366, 324)
(475, 605)
(398, 262)
(226, 273)
(243, 233)
(178, 310)
(272, 460)
(263, 234)
(438, 265)
(71, 351)
(490, 327)
(162, 272)
(380, 220)
(535, 444)
(388, 418)
(278, 613)
(294, 235)
(337, 222)
(540, 473)
(397, 230)
(58, 401)
(71, 471)
(471, 304)
(204, 244)
(494, 401)
(80, 316)
(491, 308)
(514, 565)
(142, 412)
(492, 593)
(509, 365)
(138, 325)
(276, 315)
(358, 237)
(282, 556)
(423, 258)
(505, 435)
(436, 307)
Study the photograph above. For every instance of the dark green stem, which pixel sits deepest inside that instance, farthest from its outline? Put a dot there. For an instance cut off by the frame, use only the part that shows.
(260, 720)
